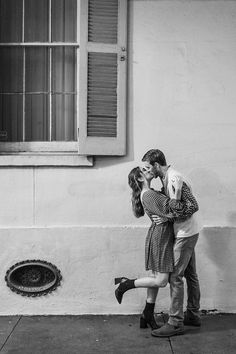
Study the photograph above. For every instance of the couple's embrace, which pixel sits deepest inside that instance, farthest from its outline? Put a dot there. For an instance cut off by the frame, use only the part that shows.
(169, 246)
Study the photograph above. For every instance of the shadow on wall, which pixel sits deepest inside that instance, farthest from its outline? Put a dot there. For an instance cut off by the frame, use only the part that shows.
(232, 218)
(216, 199)
(219, 249)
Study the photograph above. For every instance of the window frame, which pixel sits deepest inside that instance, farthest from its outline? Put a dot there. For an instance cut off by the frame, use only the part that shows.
(44, 146)
(50, 153)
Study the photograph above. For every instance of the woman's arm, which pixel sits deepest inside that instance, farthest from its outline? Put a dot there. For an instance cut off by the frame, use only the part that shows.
(161, 205)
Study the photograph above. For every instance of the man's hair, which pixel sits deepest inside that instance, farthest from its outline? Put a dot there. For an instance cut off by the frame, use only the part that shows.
(155, 155)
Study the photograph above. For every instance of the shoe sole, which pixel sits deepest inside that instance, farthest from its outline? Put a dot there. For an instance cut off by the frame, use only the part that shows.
(167, 335)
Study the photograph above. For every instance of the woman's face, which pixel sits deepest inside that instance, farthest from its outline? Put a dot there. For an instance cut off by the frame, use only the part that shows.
(146, 172)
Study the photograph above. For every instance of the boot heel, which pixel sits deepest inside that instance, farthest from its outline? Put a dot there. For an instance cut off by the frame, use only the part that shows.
(117, 280)
(143, 323)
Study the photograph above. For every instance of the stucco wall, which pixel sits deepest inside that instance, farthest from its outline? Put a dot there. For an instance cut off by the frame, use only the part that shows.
(90, 257)
(181, 85)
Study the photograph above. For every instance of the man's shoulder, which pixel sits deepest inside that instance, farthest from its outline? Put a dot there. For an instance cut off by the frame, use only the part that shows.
(173, 172)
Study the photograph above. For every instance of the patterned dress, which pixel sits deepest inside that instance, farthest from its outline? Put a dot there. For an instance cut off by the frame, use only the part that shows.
(160, 238)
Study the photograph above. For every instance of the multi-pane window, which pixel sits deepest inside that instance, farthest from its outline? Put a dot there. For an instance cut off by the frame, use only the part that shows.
(38, 56)
(62, 70)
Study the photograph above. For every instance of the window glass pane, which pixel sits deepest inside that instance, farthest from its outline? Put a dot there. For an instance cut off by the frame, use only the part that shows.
(63, 70)
(64, 124)
(37, 70)
(11, 118)
(36, 118)
(11, 69)
(10, 20)
(64, 14)
(36, 20)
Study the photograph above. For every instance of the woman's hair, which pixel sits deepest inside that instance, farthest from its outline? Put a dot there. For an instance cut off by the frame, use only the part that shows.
(136, 186)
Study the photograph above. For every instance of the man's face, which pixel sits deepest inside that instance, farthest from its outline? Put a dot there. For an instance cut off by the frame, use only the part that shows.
(154, 170)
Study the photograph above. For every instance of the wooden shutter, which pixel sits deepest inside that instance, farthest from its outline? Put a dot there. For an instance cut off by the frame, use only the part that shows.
(102, 77)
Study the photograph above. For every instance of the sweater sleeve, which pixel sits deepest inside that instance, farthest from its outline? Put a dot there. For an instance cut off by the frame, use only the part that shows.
(190, 203)
(158, 204)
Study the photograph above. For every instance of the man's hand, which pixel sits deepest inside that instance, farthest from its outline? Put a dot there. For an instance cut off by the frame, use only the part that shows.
(158, 220)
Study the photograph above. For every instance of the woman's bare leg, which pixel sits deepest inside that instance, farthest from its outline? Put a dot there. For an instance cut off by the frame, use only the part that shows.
(152, 292)
(158, 280)
(147, 317)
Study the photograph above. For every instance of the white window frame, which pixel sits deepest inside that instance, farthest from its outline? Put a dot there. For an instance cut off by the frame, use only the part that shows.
(50, 153)
(63, 153)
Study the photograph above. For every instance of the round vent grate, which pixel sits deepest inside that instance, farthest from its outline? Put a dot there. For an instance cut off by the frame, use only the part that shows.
(33, 278)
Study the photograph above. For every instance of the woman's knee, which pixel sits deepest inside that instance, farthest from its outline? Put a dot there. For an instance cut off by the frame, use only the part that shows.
(163, 283)
(161, 280)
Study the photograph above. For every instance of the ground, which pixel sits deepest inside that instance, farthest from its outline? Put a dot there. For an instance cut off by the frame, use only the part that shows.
(113, 335)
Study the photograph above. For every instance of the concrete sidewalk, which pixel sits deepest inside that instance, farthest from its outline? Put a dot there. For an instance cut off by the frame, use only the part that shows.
(112, 334)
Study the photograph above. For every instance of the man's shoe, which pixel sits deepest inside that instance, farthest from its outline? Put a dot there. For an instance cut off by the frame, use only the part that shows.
(168, 331)
(196, 321)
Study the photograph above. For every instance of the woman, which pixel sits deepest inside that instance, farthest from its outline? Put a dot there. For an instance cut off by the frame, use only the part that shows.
(160, 238)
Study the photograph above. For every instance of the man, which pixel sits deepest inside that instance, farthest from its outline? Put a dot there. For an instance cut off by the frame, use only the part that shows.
(186, 232)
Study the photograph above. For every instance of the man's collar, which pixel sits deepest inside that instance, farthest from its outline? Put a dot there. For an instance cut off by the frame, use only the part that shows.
(166, 173)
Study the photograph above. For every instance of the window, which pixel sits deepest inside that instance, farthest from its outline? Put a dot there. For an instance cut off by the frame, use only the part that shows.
(63, 76)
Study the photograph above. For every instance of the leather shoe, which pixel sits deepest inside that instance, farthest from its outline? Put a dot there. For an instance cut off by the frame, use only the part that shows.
(188, 321)
(168, 331)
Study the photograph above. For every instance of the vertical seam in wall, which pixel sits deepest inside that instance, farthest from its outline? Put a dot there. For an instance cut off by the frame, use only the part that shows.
(34, 196)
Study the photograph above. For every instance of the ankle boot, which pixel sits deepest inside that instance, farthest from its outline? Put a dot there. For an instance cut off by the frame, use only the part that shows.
(125, 285)
(147, 318)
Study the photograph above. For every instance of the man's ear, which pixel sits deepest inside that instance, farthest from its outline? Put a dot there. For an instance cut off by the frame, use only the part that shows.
(156, 165)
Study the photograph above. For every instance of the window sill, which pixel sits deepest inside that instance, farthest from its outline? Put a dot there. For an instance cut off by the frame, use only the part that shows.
(71, 159)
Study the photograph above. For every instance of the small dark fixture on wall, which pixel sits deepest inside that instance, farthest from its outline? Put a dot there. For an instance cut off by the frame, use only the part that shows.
(33, 278)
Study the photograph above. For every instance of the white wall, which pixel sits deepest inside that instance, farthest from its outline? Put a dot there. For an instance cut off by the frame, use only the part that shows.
(182, 83)
(184, 79)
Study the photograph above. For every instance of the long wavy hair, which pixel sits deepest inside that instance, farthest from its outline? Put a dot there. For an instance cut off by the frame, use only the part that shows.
(136, 186)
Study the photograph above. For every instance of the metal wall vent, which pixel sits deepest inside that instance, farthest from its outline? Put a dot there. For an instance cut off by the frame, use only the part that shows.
(33, 278)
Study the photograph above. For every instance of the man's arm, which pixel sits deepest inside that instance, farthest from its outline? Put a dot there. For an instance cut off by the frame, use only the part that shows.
(182, 193)
(174, 190)
(191, 205)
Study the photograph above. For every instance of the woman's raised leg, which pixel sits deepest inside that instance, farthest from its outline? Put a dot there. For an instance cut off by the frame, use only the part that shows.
(158, 280)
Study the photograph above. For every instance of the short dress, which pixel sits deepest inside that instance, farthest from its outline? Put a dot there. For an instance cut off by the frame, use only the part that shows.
(159, 255)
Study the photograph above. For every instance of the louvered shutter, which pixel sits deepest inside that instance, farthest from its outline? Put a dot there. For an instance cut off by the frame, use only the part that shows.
(102, 77)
